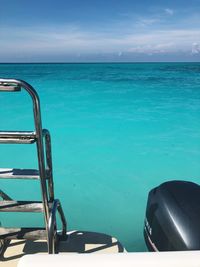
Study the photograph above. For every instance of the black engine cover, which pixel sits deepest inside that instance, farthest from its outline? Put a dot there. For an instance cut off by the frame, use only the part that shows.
(173, 217)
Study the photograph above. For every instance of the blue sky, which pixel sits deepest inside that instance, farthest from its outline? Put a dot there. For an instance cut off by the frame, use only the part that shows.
(91, 30)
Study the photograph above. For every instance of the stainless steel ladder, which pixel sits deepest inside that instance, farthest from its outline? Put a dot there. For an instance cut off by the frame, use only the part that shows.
(49, 206)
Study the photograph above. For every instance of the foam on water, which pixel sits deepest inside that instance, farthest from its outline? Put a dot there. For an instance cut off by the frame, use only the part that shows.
(117, 131)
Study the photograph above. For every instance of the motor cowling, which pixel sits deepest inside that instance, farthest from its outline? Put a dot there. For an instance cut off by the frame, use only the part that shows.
(172, 220)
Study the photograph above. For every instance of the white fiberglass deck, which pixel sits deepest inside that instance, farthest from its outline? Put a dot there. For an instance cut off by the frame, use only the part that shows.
(78, 242)
(139, 259)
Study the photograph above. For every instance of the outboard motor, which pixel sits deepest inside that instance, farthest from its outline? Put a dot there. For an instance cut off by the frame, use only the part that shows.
(173, 217)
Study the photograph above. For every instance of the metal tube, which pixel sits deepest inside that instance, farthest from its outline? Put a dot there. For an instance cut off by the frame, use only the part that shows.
(40, 149)
(52, 227)
(4, 196)
(17, 137)
(63, 220)
(47, 137)
(38, 135)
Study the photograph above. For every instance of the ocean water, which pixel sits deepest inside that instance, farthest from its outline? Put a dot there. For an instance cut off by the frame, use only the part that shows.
(117, 130)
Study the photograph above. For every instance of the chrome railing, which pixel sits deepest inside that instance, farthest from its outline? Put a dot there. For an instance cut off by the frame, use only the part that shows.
(52, 227)
(4, 196)
(49, 166)
(43, 139)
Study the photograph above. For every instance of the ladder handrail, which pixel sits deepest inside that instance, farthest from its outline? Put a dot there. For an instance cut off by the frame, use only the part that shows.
(4, 196)
(52, 227)
(40, 148)
(44, 161)
(39, 136)
(49, 169)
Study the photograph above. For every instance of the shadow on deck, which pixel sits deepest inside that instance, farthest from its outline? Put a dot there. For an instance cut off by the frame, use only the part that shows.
(77, 242)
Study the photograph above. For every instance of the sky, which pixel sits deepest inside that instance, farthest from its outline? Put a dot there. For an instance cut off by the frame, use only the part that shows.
(99, 30)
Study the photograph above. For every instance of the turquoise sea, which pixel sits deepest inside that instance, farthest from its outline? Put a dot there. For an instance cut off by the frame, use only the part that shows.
(118, 130)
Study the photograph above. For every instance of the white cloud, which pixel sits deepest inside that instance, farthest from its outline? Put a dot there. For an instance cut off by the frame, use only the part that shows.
(145, 22)
(195, 48)
(152, 49)
(73, 40)
(159, 48)
(169, 11)
(161, 41)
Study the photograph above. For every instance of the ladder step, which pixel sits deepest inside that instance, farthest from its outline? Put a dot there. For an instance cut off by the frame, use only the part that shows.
(21, 206)
(6, 87)
(17, 137)
(23, 233)
(19, 174)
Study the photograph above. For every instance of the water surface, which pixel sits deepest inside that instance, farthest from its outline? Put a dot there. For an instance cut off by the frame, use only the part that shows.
(118, 130)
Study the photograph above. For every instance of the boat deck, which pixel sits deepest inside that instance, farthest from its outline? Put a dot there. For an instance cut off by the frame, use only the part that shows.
(77, 242)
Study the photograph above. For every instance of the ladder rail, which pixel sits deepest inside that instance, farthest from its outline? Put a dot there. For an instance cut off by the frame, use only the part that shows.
(52, 227)
(49, 165)
(4, 196)
(43, 142)
(3, 243)
(17, 137)
(39, 143)
(40, 147)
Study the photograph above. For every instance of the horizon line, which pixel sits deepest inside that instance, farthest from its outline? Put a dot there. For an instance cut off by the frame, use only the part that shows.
(99, 62)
